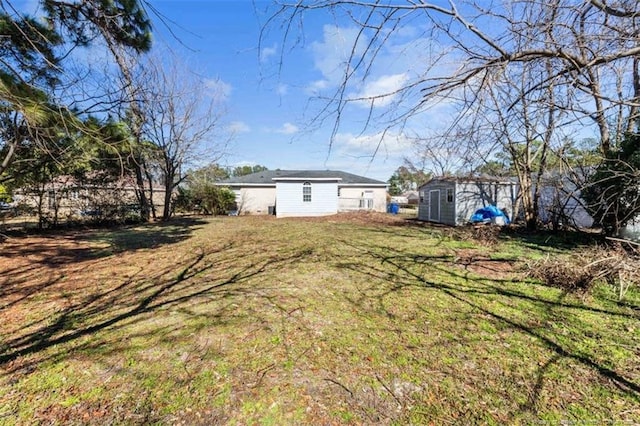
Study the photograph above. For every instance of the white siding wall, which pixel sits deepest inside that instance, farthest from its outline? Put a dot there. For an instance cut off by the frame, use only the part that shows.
(471, 196)
(554, 200)
(349, 197)
(255, 200)
(324, 199)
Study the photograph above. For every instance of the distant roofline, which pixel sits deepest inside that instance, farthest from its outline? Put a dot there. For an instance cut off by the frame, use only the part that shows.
(330, 179)
(273, 184)
(266, 184)
(268, 178)
(364, 184)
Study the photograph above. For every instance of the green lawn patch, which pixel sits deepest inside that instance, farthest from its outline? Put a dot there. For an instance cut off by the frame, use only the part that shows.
(253, 320)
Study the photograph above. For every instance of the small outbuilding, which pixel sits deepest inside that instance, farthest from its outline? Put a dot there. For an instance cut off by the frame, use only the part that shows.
(453, 200)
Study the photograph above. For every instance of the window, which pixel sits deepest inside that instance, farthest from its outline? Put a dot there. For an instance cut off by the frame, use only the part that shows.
(368, 200)
(306, 192)
(421, 197)
(449, 195)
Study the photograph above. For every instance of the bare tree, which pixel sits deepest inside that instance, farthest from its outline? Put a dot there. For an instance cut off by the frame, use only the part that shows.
(181, 119)
(518, 72)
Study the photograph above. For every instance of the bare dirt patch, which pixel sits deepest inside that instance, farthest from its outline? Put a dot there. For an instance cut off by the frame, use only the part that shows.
(472, 260)
(359, 218)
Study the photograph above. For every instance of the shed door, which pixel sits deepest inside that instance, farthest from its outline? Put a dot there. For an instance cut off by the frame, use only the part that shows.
(434, 205)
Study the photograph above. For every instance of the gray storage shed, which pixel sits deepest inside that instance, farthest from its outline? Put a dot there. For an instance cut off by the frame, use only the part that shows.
(452, 200)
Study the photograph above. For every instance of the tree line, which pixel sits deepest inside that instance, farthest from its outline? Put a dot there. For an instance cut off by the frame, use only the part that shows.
(68, 114)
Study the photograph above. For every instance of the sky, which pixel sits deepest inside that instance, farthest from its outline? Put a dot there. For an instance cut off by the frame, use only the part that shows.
(271, 88)
(272, 83)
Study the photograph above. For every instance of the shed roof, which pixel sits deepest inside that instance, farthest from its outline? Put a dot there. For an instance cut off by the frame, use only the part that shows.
(471, 179)
(268, 177)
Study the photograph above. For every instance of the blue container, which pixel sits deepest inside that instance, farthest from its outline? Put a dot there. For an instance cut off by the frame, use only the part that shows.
(394, 208)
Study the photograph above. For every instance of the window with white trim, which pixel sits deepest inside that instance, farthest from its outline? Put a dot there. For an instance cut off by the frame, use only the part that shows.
(306, 192)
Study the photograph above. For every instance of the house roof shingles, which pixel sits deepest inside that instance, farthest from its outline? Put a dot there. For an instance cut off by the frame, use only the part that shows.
(267, 177)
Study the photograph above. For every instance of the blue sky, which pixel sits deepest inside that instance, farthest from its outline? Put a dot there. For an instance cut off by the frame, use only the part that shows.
(272, 88)
(270, 108)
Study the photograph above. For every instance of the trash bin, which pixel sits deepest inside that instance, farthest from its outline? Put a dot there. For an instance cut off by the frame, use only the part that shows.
(394, 208)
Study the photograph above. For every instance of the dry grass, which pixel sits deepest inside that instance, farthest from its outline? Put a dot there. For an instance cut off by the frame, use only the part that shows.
(358, 319)
(582, 269)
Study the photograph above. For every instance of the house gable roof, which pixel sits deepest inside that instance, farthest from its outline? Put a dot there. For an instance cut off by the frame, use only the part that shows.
(269, 177)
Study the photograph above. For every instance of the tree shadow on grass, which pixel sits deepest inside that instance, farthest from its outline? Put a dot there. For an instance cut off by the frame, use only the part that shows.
(145, 236)
(219, 272)
(22, 279)
(399, 270)
(545, 240)
(64, 246)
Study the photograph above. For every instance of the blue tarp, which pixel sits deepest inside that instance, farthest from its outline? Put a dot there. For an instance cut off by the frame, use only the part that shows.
(487, 214)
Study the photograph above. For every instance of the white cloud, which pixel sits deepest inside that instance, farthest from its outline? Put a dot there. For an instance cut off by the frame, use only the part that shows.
(382, 91)
(407, 55)
(288, 129)
(331, 56)
(382, 143)
(238, 127)
(218, 88)
(268, 52)
(316, 86)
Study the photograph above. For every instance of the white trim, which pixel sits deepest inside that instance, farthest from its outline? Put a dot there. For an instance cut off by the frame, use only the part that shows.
(272, 185)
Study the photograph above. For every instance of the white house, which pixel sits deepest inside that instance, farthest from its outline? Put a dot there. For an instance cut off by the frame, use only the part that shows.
(288, 193)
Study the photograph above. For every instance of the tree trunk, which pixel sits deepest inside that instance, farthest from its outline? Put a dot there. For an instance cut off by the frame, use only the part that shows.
(140, 192)
(169, 178)
(528, 206)
(168, 189)
(152, 205)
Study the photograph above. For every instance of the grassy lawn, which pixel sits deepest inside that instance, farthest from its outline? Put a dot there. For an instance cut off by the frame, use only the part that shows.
(248, 320)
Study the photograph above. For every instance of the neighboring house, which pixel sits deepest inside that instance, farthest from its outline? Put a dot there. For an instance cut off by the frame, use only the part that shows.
(399, 199)
(413, 197)
(68, 197)
(453, 200)
(560, 203)
(409, 197)
(288, 193)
